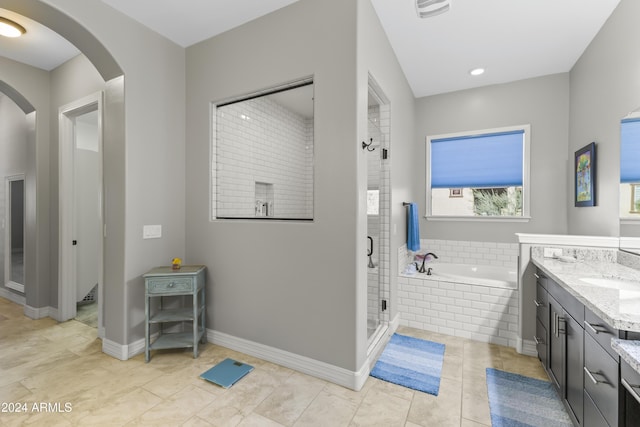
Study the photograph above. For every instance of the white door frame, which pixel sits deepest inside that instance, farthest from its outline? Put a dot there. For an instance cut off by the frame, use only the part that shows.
(66, 252)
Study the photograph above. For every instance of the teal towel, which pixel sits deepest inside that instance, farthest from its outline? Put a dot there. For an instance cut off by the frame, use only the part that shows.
(413, 230)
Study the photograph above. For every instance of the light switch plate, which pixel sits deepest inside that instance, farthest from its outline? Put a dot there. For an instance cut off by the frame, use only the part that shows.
(151, 231)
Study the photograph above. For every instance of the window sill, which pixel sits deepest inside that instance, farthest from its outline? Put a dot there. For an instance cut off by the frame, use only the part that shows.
(629, 221)
(479, 218)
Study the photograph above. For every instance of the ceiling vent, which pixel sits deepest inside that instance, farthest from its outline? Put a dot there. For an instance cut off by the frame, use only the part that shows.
(429, 8)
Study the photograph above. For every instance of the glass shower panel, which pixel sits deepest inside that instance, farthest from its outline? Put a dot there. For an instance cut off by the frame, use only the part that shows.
(373, 220)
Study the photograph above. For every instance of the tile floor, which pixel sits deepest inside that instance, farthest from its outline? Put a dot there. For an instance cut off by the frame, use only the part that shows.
(43, 361)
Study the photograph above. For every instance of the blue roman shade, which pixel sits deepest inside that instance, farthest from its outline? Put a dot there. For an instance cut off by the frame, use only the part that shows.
(478, 161)
(630, 151)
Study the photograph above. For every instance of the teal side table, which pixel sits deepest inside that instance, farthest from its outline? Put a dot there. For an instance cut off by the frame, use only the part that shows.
(165, 283)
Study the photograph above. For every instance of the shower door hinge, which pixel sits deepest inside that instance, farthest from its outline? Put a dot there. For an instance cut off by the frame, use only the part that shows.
(385, 154)
(384, 305)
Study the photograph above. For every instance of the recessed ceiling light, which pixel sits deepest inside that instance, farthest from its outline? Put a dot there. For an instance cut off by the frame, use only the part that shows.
(8, 28)
(476, 71)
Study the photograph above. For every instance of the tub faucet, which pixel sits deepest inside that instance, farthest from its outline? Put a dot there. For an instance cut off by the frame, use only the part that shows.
(421, 269)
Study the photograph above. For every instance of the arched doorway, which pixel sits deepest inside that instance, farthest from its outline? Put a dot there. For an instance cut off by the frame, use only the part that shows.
(43, 291)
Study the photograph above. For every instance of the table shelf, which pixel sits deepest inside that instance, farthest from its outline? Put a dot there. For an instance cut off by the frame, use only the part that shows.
(173, 286)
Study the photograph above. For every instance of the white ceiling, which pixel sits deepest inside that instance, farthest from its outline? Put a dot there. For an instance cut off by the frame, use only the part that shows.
(512, 39)
(39, 47)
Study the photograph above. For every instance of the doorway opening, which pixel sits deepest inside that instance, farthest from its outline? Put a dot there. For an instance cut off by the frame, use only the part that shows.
(81, 212)
(378, 213)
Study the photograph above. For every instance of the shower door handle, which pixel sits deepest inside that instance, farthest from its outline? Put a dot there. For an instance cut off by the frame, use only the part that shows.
(370, 251)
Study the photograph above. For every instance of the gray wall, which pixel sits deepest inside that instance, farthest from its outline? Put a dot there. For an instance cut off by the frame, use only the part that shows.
(144, 150)
(541, 102)
(289, 285)
(605, 87)
(33, 85)
(376, 56)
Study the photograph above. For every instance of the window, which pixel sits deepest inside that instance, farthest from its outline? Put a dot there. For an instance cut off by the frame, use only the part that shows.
(262, 155)
(629, 170)
(481, 174)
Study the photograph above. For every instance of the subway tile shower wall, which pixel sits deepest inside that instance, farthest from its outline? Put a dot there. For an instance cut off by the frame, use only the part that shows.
(260, 141)
(465, 252)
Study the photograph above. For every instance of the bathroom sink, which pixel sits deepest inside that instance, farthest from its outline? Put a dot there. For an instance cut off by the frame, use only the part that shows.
(612, 283)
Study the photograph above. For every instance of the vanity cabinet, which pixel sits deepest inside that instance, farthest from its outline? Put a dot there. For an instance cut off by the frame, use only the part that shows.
(574, 346)
(541, 302)
(602, 368)
(566, 348)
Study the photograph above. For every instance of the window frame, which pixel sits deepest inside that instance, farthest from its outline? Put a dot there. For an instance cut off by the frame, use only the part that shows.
(526, 181)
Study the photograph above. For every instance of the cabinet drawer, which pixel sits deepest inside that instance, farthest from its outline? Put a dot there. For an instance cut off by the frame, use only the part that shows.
(592, 417)
(541, 279)
(170, 285)
(600, 331)
(542, 306)
(571, 305)
(601, 379)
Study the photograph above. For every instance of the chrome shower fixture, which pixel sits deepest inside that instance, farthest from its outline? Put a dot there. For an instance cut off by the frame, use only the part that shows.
(429, 8)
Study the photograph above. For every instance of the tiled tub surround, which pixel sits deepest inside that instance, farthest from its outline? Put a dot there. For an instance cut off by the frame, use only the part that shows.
(464, 252)
(448, 306)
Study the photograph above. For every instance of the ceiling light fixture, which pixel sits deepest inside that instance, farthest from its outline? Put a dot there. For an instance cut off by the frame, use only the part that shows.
(8, 28)
(429, 8)
(476, 71)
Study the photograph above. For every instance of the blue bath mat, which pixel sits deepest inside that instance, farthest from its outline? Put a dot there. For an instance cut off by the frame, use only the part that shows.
(518, 401)
(412, 363)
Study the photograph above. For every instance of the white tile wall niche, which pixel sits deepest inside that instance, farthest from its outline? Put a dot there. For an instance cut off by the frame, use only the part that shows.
(259, 140)
(476, 312)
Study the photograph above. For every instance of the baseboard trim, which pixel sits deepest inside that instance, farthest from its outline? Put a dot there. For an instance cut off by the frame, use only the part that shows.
(19, 287)
(40, 312)
(113, 349)
(12, 296)
(527, 347)
(344, 377)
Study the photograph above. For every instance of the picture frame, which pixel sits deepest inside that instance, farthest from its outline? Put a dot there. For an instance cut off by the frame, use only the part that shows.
(585, 172)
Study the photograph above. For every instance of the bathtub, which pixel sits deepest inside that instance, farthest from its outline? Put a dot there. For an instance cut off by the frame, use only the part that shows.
(482, 275)
(479, 302)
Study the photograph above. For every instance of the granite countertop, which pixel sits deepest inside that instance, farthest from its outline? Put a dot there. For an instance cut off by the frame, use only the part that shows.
(629, 351)
(619, 307)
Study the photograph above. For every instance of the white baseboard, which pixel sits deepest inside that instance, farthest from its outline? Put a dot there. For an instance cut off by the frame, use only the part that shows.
(113, 349)
(40, 312)
(15, 286)
(527, 347)
(335, 374)
(12, 296)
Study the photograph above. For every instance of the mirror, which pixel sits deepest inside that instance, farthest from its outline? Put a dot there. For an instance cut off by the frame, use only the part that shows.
(630, 182)
(14, 261)
(262, 155)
